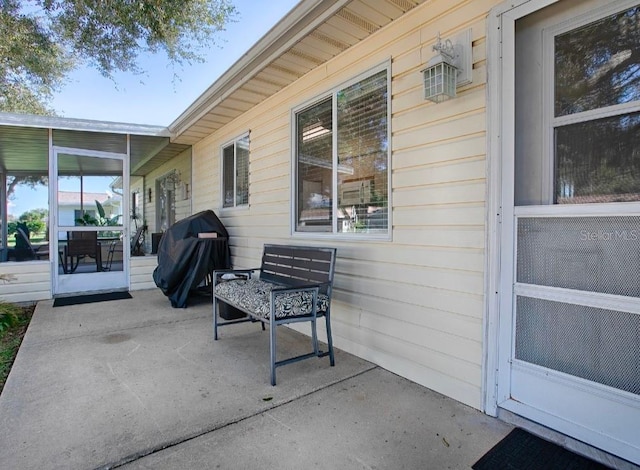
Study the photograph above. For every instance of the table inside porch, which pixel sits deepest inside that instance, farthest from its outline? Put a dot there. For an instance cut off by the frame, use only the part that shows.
(71, 254)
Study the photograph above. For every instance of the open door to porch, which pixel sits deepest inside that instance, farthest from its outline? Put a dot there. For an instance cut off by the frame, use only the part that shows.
(89, 229)
(569, 345)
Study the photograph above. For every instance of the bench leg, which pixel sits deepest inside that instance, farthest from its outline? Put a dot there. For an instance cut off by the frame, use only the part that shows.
(332, 360)
(272, 343)
(314, 337)
(215, 319)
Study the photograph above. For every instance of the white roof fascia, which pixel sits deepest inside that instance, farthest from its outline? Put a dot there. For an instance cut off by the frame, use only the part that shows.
(55, 122)
(282, 36)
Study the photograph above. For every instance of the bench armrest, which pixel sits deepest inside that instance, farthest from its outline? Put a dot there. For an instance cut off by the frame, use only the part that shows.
(243, 272)
(232, 271)
(300, 287)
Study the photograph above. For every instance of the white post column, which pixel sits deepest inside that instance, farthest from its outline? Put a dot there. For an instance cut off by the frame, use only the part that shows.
(3, 209)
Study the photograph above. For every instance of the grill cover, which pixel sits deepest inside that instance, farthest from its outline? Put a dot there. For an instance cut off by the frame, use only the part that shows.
(184, 259)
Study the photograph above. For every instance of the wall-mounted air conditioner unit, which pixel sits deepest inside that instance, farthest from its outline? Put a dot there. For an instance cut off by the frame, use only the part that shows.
(355, 192)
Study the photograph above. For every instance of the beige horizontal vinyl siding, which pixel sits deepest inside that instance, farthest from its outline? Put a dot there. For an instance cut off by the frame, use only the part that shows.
(31, 281)
(141, 272)
(413, 305)
(268, 214)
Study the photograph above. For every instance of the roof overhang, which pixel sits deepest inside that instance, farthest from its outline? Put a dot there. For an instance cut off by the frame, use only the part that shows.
(311, 34)
(24, 142)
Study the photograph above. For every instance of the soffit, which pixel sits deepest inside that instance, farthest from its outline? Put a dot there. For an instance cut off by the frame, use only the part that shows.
(313, 32)
(24, 143)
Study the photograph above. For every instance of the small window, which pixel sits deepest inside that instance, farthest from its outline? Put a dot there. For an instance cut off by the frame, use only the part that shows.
(235, 173)
(342, 160)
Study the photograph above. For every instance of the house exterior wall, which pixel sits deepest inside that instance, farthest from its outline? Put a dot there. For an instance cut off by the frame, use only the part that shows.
(182, 164)
(141, 272)
(413, 305)
(31, 281)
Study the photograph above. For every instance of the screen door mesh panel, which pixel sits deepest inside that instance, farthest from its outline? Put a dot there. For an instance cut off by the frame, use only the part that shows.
(599, 345)
(595, 254)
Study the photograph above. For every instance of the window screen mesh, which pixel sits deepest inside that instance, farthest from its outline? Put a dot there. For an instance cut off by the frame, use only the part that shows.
(314, 167)
(242, 171)
(359, 138)
(599, 345)
(595, 254)
(362, 155)
(227, 176)
(235, 173)
(596, 65)
(598, 161)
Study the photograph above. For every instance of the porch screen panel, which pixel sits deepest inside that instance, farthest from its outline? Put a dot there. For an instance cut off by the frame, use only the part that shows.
(594, 254)
(595, 344)
(85, 193)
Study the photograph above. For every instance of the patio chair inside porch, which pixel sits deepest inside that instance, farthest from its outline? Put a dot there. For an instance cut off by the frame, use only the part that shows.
(24, 249)
(116, 248)
(81, 245)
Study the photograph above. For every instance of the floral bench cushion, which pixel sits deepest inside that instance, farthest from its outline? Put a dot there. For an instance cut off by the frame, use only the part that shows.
(254, 295)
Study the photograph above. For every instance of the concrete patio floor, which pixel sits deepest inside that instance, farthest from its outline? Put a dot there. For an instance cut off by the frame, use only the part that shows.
(136, 384)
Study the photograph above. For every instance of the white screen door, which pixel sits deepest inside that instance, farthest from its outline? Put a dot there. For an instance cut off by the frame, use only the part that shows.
(89, 224)
(572, 283)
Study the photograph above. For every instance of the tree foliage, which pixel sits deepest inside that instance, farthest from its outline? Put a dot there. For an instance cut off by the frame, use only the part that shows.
(101, 220)
(33, 63)
(41, 41)
(35, 220)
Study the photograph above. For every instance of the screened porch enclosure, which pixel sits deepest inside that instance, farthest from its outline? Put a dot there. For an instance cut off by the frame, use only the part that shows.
(66, 207)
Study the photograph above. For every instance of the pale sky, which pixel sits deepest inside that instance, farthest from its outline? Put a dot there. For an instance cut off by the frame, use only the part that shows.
(156, 97)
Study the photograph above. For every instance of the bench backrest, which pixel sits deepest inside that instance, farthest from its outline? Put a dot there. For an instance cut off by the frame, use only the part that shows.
(296, 265)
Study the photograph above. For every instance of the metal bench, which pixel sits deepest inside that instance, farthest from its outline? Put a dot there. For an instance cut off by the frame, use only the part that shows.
(294, 285)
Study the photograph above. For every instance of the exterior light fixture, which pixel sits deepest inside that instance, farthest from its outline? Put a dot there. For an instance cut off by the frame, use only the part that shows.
(448, 69)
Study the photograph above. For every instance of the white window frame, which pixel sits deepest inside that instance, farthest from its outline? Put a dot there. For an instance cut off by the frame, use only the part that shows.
(228, 143)
(332, 94)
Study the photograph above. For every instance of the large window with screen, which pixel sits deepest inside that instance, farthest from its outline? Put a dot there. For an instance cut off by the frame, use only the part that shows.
(342, 160)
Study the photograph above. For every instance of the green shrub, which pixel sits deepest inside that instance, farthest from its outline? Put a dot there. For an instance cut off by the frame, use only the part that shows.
(8, 315)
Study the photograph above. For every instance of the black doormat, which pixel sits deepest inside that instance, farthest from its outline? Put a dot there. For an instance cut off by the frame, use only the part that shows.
(90, 298)
(521, 450)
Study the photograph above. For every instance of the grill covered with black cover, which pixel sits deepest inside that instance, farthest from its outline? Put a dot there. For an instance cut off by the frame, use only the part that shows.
(184, 260)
